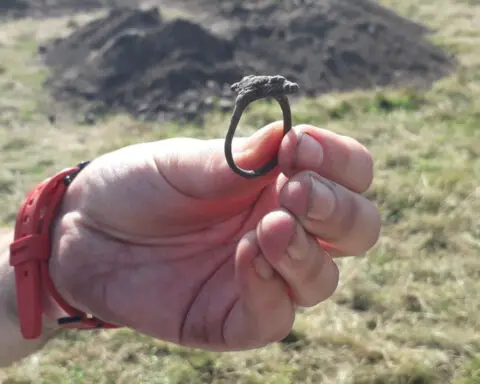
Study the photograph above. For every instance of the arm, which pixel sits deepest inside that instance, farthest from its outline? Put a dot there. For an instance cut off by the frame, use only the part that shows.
(12, 345)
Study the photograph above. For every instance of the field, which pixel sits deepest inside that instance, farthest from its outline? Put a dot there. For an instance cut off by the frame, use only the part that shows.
(407, 312)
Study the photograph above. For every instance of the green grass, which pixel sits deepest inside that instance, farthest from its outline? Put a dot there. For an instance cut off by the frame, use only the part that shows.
(408, 312)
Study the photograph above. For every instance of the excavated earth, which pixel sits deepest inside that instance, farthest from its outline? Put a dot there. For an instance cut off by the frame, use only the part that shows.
(48, 8)
(136, 60)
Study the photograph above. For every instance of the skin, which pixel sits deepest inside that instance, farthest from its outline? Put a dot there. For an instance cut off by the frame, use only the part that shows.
(164, 238)
(12, 346)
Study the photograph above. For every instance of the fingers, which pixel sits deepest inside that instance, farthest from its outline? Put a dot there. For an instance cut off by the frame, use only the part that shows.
(345, 220)
(198, 168)
(264, 313)
(325, 173)
(338, 158)
(278, 267)
(282, 264)
(306, 268)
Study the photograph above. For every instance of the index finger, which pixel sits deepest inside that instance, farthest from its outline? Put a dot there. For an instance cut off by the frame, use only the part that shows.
(341, 159)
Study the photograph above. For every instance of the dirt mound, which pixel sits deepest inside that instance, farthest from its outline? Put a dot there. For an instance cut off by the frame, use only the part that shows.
(337, 45)
(22, 8)
(13, 7)
(135, 61)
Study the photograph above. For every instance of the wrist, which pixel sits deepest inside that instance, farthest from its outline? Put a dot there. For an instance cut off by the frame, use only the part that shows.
(30, 255)
(7, 285)
(8, 297)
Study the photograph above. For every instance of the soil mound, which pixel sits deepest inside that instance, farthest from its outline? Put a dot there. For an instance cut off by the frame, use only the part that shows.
(13, 7)
(133, 60)
(40, 8)
(338, 45)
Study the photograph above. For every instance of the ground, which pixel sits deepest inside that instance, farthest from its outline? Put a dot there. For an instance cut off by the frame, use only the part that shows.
(407, 312)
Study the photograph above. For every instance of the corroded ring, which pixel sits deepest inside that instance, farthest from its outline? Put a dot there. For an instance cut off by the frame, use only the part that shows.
(250, 89)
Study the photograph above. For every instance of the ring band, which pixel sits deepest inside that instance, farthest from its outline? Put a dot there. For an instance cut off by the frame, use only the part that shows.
(240, 106)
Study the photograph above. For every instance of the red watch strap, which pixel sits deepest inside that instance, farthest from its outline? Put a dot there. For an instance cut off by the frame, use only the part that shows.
(29, 254)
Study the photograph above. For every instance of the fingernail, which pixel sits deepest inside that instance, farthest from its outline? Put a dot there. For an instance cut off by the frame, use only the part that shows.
(263, 269)
(309, 152)
(322, 201)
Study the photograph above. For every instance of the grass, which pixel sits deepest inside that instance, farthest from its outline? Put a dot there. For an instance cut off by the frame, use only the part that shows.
(405, 313)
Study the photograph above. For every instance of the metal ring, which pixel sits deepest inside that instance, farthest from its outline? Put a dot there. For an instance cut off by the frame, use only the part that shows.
(240, 106)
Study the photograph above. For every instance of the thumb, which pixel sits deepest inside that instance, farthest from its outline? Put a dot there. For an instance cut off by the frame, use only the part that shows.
(199, 169)
(254, 151)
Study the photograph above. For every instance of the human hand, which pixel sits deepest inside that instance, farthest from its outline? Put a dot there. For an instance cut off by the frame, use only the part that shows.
(164, 238)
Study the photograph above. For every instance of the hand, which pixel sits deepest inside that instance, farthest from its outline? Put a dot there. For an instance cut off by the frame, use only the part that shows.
(164, 238)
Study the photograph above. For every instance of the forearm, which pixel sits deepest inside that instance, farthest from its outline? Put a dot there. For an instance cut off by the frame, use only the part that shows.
(13, 346)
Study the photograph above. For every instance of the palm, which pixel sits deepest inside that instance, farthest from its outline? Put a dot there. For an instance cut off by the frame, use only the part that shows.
(181, 260)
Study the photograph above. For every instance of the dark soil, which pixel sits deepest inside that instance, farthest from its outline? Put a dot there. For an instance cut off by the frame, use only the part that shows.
(135, 61)
(39, 8)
